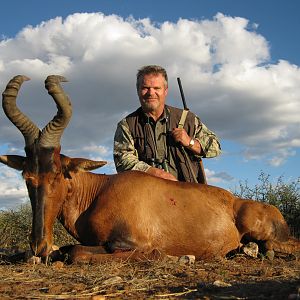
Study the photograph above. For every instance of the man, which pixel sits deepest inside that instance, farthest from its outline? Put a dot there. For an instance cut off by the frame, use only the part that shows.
(149, 139)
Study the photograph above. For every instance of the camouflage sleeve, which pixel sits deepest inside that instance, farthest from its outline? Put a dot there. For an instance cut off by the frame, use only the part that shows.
(125, 154)
(208, 140)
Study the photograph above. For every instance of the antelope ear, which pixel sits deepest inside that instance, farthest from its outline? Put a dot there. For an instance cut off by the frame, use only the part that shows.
(85, 165)
(80, 164)
(13, 161)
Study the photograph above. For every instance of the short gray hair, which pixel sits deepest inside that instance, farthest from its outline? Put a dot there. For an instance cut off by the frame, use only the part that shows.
(151, 69)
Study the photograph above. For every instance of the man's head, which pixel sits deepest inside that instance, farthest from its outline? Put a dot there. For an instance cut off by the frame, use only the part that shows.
(153, 70)
(152, 89)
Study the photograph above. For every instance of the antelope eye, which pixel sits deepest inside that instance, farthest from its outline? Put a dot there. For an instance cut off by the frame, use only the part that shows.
(31, 180)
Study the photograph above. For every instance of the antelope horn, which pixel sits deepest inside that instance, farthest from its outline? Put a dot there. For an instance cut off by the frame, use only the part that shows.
(52, 132)
(29, 130)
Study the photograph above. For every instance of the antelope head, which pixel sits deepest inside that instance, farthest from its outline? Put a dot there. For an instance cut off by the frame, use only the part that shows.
(44, 169)
(42, 166)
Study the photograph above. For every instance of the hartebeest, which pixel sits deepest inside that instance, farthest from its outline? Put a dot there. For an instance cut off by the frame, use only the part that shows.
(130, 213)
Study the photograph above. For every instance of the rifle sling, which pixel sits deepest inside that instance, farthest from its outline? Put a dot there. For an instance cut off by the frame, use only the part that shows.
(183, 118)
(181, 125)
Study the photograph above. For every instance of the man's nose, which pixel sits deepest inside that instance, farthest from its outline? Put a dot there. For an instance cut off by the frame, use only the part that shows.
(151, 91)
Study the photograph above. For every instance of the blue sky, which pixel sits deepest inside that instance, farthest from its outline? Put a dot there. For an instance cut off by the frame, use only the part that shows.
(245, 87)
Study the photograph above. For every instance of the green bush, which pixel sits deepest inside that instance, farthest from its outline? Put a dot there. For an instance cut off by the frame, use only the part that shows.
(15, 229)
(284, 195)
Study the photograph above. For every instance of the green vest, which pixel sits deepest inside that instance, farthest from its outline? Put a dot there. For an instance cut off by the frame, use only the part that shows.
(138, 123)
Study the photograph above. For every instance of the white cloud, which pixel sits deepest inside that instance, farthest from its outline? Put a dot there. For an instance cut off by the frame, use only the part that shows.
(91, 151)
(12, 188)
(280, 158)
(223, 63)
(215, 178)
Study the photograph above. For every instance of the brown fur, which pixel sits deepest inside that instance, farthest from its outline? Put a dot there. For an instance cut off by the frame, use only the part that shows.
(134, 211)
(132, 214)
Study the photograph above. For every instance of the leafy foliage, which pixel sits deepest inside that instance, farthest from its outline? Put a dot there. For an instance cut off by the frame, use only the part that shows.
(284, 195)
(15, 228)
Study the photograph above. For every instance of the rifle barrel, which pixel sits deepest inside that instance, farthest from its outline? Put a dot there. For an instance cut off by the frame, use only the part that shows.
(182, 94)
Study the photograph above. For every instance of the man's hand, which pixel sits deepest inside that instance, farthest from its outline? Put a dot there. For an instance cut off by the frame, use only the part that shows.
(181, 136)
(161, 173)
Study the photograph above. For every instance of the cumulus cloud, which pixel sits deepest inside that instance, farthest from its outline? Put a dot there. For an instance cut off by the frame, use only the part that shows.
(224, 65)
(12, 188)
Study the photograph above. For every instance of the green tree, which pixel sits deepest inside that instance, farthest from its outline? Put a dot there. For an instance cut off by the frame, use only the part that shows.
(284, 195)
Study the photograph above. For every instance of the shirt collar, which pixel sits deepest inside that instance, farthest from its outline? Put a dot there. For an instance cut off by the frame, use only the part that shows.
(162, 118)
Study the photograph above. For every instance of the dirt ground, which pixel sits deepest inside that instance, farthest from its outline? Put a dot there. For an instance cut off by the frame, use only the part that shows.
(239, 277)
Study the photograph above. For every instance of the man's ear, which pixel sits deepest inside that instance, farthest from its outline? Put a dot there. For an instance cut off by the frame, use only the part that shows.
(13, 161)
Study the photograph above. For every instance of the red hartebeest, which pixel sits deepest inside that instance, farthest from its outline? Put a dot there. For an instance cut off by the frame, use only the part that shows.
(131, 213)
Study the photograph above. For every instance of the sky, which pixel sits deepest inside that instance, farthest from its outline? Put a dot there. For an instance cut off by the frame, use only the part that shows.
(238, 62)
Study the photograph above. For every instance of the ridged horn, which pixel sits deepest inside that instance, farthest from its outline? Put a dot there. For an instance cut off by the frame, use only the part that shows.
(29, 130)
(52, 132)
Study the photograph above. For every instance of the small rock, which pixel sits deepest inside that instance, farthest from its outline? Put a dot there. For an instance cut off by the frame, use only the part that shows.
(220, 283)
(112, 280)
(187, 260)
(251, 249)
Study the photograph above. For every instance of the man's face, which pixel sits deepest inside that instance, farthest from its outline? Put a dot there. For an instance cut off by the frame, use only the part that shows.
(152, 93)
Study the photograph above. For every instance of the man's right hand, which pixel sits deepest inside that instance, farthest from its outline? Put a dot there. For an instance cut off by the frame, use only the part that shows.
(161, 173)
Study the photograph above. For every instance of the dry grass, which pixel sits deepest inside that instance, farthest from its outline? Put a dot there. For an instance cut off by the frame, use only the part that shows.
(237, 278)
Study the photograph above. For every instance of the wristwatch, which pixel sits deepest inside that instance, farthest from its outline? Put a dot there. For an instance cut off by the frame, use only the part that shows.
(192, 143)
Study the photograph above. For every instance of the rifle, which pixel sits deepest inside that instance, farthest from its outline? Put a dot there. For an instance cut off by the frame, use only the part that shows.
(181, 125)
(182, 94)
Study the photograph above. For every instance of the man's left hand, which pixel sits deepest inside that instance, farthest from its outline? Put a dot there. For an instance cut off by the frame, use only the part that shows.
(181, 136)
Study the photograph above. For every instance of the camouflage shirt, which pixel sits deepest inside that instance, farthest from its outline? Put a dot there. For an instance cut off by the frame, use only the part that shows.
(126, 155)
